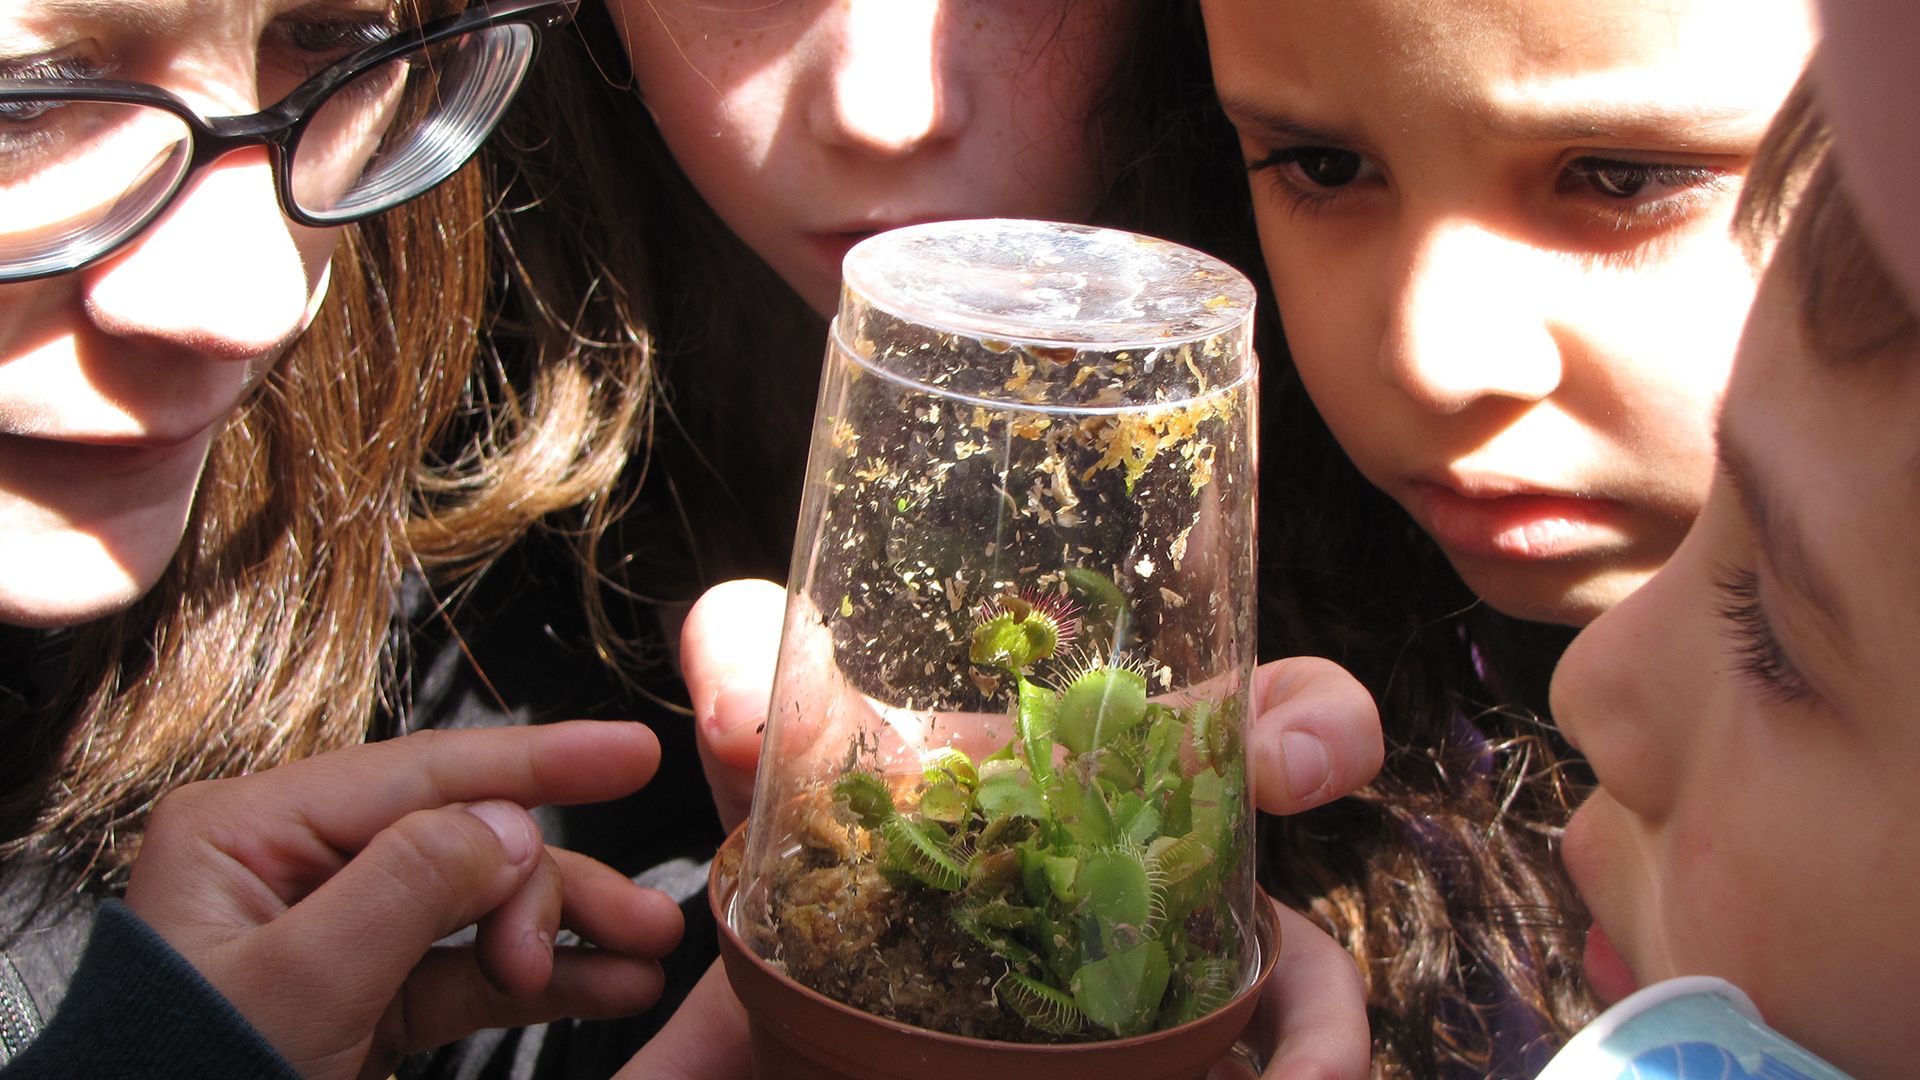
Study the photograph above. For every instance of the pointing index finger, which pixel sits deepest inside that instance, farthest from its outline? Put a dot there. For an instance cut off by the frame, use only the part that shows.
(348, 796)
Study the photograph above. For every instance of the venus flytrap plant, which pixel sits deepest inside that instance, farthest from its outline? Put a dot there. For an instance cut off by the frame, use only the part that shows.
(1085, 858)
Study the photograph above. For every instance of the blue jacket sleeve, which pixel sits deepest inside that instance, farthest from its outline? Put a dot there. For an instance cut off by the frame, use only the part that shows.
(136, 1008)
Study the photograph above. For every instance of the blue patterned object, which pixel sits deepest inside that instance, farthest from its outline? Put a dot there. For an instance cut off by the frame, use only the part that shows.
(1691, 1028)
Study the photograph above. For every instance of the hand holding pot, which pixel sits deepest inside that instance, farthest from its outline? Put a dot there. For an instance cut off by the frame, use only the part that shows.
(338, 873)
(1315, 736)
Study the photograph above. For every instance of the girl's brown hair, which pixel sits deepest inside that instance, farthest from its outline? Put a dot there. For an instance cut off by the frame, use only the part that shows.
(405, 431)
(1795, 203)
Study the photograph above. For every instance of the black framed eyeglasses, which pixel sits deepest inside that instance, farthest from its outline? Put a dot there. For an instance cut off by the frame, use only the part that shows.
(86, 164)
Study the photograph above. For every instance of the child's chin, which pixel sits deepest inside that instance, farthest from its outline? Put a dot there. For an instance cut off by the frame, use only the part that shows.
(1607, 971)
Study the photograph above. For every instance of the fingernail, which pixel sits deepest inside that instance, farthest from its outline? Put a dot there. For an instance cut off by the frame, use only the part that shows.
(509, 823)
(737, 707)
(1308, 767)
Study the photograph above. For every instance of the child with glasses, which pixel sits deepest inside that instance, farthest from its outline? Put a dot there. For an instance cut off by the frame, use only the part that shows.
(226, 391)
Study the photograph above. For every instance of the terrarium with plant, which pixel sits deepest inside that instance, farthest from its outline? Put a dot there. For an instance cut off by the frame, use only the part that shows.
(1003, 791)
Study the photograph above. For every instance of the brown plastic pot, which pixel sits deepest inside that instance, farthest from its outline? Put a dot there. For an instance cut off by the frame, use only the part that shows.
(799, 1034)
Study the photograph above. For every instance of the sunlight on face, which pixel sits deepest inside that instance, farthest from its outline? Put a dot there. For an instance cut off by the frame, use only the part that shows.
(809, 125)
(1753, 715)
(115, 379)
(1498, 239)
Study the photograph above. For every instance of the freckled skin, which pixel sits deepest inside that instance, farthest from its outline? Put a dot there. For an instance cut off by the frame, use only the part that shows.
(818, 120)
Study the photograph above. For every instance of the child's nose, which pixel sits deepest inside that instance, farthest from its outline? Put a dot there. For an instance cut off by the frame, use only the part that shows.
(1630, 689)
(218, 274)
(888, 89)
(1467, 320)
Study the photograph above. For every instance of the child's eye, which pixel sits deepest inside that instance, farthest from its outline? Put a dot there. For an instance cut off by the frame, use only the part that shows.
(1638, 193)
(337, 36)
(1309, 176)
(305, 43)
(31, 130)
(1758, 651)
(1321, 166)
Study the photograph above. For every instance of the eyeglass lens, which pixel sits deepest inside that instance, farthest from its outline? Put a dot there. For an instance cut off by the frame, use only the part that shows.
(73, 172)
(77, 177)
(398, 129)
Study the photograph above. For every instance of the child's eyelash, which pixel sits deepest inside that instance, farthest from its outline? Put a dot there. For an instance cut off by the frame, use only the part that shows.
(1641, 199)
(1302, 200)
(1760, 656)
(1621, 179)
(52, 66)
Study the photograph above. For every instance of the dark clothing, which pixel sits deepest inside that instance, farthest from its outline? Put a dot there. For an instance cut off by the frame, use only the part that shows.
(43, 926)
(136, 1008)
(517, 650)
(521, 655)
(42, 934)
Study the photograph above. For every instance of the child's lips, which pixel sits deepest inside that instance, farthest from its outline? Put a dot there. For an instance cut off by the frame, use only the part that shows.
(1607, 970)
(833, 246)
(1521, 525)
(833, 243)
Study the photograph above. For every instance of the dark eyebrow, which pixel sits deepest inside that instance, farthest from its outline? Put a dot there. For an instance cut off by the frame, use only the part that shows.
(1656, 121)
(1713, 128)
(1782, 544)
(1259, 120)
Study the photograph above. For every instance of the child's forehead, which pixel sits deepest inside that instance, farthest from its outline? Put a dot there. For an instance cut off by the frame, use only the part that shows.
(1434, 48)
(1831, 442)
(27, 26)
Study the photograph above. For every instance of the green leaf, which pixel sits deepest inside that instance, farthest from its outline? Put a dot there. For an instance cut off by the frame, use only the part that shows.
(866, 795)
(995, 939)
(1082, 812)
(1121, 991)
(1161, 770)
(1098, 705)
(911, 851)
(1114, 890)
(1018, 634)
(1040, 1005)
(945, 803)
(1099, 597)
(949, 764)
(1120, 762)
(1104, 614)
(1139, 822)
(1010, 795)
(1207, 809)
(1033, 716)
(1209, 983)
(1177, 858)
(1004, 916)
(1061, 872)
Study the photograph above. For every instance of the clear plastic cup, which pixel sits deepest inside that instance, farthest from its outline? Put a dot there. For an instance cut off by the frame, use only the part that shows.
(1003, 791)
